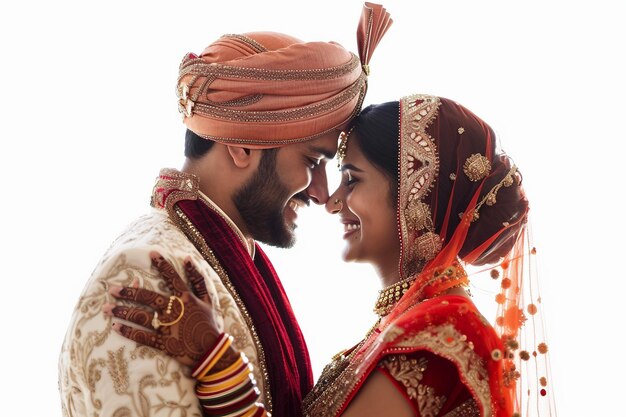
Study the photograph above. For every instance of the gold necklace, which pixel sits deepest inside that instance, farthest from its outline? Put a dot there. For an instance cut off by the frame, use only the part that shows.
(389, 296)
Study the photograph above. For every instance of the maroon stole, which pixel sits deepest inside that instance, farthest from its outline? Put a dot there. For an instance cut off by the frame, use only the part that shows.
(286, 355)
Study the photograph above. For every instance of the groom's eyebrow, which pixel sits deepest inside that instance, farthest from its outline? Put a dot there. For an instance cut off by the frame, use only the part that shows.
(350, 167)
(327, 153)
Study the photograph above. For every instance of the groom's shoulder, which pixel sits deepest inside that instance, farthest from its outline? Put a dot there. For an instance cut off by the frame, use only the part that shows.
(126, 260)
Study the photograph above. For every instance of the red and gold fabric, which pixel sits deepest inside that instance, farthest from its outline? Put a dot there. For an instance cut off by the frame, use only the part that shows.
(429, 383)
(442, 354)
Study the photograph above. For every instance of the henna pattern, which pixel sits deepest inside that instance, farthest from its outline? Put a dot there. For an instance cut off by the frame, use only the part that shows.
(196, 335)
(135, 315)
(173, 281)
(143, 296)
(137, 335)
(193, 330)
(197, 281)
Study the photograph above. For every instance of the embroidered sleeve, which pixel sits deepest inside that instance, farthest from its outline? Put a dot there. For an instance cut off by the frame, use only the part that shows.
(430, 383)
(104, 374)
(100, 372)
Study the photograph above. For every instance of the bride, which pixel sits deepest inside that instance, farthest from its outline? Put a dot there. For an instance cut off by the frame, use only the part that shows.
(425, 196)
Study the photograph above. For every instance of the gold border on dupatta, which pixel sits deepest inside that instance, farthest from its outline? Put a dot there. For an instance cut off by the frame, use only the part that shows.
(418, 170)
(443, 340)
(446, 341)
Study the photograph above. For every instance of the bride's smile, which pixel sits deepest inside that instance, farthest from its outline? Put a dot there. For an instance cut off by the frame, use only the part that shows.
(364, 202)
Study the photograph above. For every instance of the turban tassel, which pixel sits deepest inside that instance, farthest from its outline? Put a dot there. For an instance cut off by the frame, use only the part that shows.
(374, 23)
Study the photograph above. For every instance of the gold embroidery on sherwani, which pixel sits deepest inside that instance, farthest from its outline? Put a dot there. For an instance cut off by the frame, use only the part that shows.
(410, 372)
(118, 369)
(123, 412)
(86, 364)
(157, 385)
(93, 373)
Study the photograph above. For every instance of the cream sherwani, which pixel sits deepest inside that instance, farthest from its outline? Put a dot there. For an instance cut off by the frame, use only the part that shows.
(103, 374)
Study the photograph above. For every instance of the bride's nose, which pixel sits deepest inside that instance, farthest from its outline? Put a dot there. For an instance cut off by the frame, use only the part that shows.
(335, 203)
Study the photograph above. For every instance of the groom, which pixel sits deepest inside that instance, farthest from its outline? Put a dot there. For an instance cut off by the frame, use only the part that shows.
(262, 111)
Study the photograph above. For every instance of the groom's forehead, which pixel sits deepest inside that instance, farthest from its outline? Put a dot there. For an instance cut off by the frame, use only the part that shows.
(325, 144)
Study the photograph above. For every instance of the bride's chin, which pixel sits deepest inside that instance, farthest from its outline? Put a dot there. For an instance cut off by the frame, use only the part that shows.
(348, 254)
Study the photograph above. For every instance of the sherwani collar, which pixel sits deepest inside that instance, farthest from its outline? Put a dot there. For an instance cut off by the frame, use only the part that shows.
(182, 186)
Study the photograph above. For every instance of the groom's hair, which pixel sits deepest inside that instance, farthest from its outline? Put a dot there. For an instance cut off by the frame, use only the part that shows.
(196, 146)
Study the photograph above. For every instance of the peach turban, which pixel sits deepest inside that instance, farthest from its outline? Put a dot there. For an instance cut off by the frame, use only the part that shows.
(267, 89)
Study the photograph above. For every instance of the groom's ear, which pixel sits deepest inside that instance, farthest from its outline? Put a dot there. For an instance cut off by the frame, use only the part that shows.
(243, 157)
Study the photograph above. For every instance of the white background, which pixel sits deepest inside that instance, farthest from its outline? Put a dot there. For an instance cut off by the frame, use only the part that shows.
(88, 116)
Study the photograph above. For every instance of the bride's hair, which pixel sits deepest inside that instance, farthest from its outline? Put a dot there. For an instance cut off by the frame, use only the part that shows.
(376, 133)
(378, 130)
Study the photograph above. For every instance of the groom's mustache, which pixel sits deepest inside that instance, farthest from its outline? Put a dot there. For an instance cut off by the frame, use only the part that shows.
(303, 197)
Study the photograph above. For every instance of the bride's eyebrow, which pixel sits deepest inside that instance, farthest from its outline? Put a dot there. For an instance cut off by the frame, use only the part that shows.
(350, 167)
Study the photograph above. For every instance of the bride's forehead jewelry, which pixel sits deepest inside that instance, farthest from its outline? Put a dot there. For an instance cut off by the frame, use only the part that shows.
(343, 146)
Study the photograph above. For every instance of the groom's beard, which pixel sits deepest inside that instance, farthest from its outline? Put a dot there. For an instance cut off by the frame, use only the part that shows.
(261, 202)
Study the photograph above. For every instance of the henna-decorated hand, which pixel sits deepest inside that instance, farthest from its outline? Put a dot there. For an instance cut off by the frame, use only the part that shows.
(185, 323)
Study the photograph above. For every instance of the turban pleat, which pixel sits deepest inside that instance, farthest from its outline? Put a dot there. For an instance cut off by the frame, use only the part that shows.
(267, 89)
